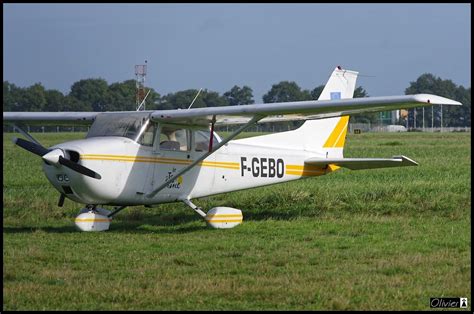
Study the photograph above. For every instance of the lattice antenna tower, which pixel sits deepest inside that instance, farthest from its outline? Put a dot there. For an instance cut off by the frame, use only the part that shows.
(140, 74)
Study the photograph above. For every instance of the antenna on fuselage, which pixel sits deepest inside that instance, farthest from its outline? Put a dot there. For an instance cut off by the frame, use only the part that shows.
(192, 102)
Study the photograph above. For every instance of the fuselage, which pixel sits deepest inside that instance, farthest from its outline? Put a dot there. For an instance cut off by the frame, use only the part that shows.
(129, 170)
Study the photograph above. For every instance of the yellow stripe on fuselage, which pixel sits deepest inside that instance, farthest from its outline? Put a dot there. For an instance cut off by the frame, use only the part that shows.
(308, 170)
(124, 158)
(338, 135)
(298, 170)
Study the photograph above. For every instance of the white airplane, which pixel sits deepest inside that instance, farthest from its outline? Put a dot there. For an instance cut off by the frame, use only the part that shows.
(153, 157)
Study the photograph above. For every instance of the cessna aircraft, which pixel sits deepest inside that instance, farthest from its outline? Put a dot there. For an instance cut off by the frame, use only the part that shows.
(160, 156)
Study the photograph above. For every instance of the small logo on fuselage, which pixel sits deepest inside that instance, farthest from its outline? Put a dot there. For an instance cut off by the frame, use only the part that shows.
(262, 167)
(176, 184)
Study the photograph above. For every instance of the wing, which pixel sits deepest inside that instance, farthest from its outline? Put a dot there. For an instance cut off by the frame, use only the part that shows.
(301, 110)
(50, 118)
(273, 112)
(362, 163)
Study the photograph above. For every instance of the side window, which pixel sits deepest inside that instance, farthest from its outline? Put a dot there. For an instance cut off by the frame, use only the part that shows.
(148, 136)
(202, 140)
(174, 138)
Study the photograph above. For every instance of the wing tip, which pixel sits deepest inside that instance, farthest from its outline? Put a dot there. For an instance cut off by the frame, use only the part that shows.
(436, 100)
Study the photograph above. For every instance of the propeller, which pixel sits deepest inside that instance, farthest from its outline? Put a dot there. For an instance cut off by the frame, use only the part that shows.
(78, 168)
(31, 147)
(55, 156)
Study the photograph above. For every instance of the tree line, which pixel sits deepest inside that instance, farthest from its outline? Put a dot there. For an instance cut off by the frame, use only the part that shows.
(95, 94)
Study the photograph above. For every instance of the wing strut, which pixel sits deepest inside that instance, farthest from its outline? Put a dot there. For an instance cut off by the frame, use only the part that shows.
(212, 132)
(254, 120)
(19, 128)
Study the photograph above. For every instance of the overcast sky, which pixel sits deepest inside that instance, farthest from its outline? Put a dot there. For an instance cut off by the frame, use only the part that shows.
(217, 46)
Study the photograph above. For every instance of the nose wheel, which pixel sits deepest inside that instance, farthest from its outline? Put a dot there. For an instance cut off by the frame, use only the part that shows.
(93, 218)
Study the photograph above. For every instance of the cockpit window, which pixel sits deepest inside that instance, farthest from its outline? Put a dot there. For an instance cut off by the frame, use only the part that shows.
(118, 124)
(175, 138)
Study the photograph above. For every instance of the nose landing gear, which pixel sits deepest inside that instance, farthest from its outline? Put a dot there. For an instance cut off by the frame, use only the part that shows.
(93, 218)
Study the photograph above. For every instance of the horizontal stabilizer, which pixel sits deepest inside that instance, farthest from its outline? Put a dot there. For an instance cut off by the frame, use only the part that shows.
(362, 163)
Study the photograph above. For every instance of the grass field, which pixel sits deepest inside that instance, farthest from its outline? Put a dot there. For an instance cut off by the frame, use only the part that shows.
(385, 239)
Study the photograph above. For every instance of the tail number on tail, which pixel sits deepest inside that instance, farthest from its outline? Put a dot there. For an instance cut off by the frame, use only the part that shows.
(263, 167)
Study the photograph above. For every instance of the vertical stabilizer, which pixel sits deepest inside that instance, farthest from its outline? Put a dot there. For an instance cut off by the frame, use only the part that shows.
(323, 136)
(329, 135)
(341, 84)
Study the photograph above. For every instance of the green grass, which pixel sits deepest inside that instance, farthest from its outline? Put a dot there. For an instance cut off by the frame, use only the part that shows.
(384, 239)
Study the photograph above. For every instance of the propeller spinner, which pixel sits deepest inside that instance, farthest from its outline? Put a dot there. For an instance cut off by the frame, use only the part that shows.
(55, 156)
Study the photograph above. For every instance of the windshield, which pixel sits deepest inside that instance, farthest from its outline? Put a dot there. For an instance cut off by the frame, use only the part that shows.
(118, 124)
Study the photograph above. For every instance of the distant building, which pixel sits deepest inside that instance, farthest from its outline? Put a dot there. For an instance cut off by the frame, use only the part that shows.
(389, 117)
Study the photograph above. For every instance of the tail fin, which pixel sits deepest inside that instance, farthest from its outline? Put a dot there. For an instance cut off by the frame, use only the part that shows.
(329, 135)
(341, 84)
(323, 136)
